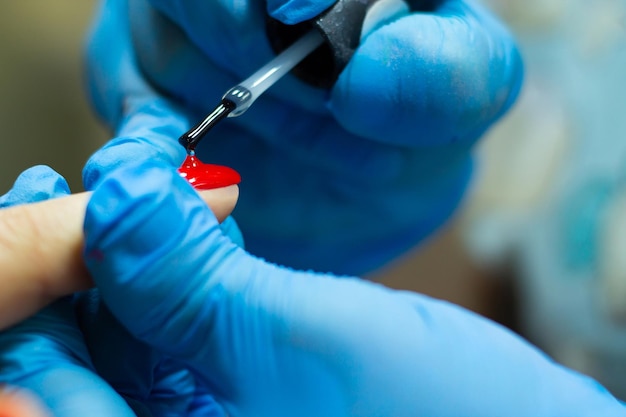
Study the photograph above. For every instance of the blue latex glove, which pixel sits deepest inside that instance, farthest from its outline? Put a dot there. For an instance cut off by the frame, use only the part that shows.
(270, 341)
(320, 168)
(77, 358)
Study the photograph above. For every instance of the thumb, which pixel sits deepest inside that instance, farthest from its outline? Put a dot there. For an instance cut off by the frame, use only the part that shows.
(439, 78)
(149, 132)
(147, 234)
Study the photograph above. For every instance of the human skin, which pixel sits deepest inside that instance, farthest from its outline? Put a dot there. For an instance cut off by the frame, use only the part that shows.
(41, 251)
(20, 404)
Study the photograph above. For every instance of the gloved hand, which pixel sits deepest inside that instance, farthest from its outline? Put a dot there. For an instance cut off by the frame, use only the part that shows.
(76, 357)
(320, 168)
(270, 341)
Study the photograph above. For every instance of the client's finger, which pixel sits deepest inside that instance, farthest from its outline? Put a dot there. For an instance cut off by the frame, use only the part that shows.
(41, 250)
(19, 404)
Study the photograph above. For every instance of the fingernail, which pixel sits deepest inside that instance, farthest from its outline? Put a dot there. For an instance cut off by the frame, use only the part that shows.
(207, 176)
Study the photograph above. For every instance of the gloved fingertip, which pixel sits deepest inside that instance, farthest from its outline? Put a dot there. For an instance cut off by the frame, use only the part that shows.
(405, 78)
(373, 111)
(38, 183)
(515, 74)
(292, 12)
(134, 212)
(123, 150)
(91, 174)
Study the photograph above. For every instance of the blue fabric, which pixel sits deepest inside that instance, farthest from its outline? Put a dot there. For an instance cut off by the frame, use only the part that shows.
(270, 341)
(342, 180)
(79, 360)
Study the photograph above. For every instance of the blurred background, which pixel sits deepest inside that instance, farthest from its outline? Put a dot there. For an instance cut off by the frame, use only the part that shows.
(540, 244)
(44, 116)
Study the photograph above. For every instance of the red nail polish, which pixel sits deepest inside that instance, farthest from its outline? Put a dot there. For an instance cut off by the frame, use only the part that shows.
(207, 176)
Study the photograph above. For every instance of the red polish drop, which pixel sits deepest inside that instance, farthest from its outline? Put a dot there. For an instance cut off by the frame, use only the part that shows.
(207, 176)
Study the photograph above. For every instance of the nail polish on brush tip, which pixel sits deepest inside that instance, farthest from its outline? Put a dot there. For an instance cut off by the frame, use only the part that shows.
(207, 176)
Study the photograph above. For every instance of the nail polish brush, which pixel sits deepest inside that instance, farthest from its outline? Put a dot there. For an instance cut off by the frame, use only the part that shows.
(317, 50)
(240, 97)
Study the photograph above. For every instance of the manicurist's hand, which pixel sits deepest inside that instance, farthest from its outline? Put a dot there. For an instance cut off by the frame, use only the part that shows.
(265, 340)
(391, 140)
